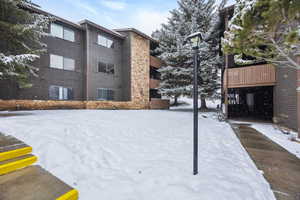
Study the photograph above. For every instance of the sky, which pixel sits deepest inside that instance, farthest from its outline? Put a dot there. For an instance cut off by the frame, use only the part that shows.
(144, 15)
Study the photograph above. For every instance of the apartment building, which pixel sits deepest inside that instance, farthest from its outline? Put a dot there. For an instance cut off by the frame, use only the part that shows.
(87, 62)
(260, 91)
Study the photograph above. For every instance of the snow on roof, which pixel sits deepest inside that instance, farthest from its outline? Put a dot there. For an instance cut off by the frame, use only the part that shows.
(102, 28)
(137, 32)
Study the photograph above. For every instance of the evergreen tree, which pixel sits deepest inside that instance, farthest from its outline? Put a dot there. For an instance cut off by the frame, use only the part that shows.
(173, 81)
(266, 30)
(191, 16)
(20, 35)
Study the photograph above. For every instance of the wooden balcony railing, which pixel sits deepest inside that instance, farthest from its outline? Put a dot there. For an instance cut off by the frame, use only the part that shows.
(154, 83)
(155, 62)
(252, 76)
(159, 103)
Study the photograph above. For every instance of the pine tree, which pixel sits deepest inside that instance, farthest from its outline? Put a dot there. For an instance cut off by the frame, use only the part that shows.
(20, 35)
(173, 81)
(267, 30)
(191, 16)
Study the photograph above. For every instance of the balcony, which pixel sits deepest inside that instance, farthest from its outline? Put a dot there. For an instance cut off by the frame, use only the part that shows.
(154, 83)
(155, 62)
(252, 76)
(159, 103)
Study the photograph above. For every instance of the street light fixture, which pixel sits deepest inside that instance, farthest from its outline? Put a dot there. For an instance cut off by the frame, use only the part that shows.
(195, 40)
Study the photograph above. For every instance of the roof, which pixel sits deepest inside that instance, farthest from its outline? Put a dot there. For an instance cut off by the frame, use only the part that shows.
(115, 32)
(137, 32)
(40, 11)
(102, 28)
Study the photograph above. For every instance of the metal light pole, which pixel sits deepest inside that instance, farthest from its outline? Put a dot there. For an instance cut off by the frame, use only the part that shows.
(195, 39)
(195, 96)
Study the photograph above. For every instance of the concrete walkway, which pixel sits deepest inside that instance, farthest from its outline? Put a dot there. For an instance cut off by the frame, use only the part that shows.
(281, 168)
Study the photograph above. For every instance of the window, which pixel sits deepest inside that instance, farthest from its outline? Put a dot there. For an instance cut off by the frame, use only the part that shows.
(110, 69)
(105, 94)
(60, 93)
(104, 41)
(60, 62)
(57, 30)
(69, 34)
(106, 68)
(69, 64)
(62, 32)
(102, 67)
(56, 61)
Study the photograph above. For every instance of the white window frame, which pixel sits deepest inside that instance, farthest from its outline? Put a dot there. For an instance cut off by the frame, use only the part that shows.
(70, 31)
(56, 34)
(65, 59)
(62, 35)
(105, 41)
(55, 58)
(63, 64)
(62, 92)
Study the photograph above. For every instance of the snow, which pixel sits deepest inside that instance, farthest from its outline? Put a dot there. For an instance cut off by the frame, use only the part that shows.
(187, 103)
(17, 58)
(140, 155)
(278, 137)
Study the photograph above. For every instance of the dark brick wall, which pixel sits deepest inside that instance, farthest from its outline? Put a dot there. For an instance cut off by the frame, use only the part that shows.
(98, 53)
(49, 76)
(126, 68)
(285, 97)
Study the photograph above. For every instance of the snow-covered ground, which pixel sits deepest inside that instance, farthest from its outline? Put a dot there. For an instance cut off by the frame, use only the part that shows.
(140, 155)
(277, 136)
(187, 103)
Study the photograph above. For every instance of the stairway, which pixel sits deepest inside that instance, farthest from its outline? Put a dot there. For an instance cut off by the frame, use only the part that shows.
(20, 180)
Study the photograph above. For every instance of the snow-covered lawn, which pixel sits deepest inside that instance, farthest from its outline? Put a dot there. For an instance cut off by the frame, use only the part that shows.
(140, 155)
(278, 137)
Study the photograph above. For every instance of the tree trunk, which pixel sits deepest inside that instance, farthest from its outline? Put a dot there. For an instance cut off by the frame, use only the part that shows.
(203, 103)
(175, 101)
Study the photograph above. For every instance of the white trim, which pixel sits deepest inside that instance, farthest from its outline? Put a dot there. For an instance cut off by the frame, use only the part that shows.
(63, 29)
(52, 56)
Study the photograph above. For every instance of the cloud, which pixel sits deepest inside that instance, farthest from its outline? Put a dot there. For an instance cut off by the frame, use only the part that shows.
(113, 4)
(148, 21)
(83, 5)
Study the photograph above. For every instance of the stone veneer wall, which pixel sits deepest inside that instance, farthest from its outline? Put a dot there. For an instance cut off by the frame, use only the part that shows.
(48, 105)
(140, 69)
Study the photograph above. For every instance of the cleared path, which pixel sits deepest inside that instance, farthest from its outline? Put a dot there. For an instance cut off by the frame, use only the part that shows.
(281, 168)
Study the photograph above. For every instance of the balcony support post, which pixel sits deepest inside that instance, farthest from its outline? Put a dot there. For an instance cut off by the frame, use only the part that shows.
(298, 96)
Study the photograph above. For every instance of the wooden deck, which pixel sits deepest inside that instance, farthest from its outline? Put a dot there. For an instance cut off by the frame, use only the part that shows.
(155, 62)
(154, 83)
(251, 76)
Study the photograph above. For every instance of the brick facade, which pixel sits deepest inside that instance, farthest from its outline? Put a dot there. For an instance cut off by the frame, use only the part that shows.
(285, 97)
(140, 62)
(139, 83)
(129, 81)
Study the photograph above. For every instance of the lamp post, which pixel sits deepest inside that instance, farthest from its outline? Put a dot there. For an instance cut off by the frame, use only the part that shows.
(195, 40)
